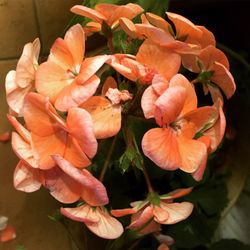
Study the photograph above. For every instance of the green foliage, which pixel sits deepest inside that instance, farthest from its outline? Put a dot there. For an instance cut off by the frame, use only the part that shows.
(56, 216)
(227, 244)
(21, 247)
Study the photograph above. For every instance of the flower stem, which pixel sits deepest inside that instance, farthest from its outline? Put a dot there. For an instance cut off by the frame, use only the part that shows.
(107, 160)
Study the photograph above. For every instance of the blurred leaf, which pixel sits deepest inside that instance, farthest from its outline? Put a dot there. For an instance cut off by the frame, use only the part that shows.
(227, 244)
(158, 7)
(56, 216)
(20, 247)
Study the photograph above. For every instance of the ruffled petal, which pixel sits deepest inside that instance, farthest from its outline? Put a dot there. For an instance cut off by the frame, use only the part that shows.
(160, 146)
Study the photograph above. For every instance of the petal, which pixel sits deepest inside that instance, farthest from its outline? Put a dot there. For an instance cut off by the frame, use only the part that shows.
(75, 40)
(25, 70)
(106, 117)
(163, 246)
(92, 190)
(129, 27)
(83, 213)
(224, 79)
(160, 146)
(46, 146)
(157, 21)
(141, 218)
(51, 79)
(192, 153)
(23, 150)
(9, 233)
(170, 105)
(161, 59)
(177, 211)
(206, 39)
(80, 126)
(4, 137)
(160, 215)
(109, 83)
(26, 178)
(90, 66)
(62, 186)
(107, 227)
(176, 193)
(191, 98)
(122, 212)
(88, 12)
(75, 94)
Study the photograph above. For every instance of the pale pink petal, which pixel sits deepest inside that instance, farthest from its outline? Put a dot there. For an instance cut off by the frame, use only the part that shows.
(75, 40)
(26, 178)
(192, 154)
(159, 84)
(83, 213)
(177, 211)
(88, 12)
(75, 94)
(224, 79)
(160, 215)
(170, 105)
(51, 79)
(90, 66)
(107, 227)
(23, 150)
(92, 190)
(61, 186)
(80, 126)
(160, 146)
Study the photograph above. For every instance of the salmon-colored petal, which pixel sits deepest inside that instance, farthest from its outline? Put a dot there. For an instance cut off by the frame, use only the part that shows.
(75, 40)
(51, 79)
(92, 190)
(129, 27)
(22, 131)
(122, 212)
(45, 146)
(9, 233)
(106, 9)
(80, 126)
(176, 194)
(62, 187)
(75, 94)
(26, 178)
(74, 154)
(106, 117)
(151, 227)
(184, 27)
(23, 150)
(61, 55)
(107, 227)
(160, 146)
(91, 27)
(170, 105)
(34, 110)
(161, 59)
(148, 100)
(159, 84)
(88, 12)
(160, 215)
(141, 218)
(163, 246)
(206, 39)
(90, 66)
(192, 153)
(83, 213)
(177, 211)
(191, 98)
(4, 137)
(109, 83)
(224, 79)
(158, 21)
(26, 66)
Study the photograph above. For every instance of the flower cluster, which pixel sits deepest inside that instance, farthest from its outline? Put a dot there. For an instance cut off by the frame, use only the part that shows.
(71, 102)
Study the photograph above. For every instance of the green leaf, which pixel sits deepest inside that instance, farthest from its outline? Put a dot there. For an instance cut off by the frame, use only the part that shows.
(158, 7)
(20, 247)
(56, 216)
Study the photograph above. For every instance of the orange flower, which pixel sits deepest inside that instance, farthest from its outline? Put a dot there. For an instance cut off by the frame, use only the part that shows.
(108, 13)
(172, 146)
(149, 214)
(106, 110)
(66, 78)
(48, 134)
(18, 83)
(96, 219)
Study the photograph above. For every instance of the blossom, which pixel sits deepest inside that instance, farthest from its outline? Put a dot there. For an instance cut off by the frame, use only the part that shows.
(22, 80)
(96, 219)
(108, 13)
(67, 78)
(148, 214)
(106, 110)
(172, 145)
(7, 232)
(48, 134)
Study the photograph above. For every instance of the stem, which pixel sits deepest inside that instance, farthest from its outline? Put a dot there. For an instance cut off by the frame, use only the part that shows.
(107, 160)
(235, 55)
(149, 185)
